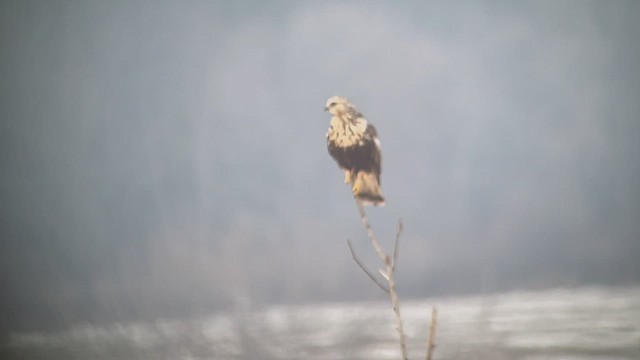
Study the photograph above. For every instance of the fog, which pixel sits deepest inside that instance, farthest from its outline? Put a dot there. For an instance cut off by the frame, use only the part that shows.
(164, 158)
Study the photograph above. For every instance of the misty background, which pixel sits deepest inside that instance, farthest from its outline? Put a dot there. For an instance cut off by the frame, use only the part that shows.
(165, 158)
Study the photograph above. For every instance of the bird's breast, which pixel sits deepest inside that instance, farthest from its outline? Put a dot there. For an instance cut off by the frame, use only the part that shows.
(344, 133)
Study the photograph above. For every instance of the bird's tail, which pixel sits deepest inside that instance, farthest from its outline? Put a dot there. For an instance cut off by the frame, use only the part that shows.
(366, 188)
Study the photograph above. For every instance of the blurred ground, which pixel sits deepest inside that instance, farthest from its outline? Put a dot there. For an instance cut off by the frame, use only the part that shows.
(585, 323)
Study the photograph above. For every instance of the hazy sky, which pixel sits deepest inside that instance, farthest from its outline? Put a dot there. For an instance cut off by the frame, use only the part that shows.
(165, 158)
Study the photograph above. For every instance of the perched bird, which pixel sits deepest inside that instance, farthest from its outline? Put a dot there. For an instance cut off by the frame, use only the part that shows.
(353, 143)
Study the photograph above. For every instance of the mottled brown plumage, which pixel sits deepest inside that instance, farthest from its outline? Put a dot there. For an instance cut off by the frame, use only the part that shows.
(353, 143)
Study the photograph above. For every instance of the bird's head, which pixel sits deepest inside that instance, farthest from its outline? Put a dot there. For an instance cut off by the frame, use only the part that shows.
(337, 105)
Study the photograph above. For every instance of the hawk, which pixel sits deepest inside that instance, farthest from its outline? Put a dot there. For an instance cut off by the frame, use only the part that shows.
(353, 143)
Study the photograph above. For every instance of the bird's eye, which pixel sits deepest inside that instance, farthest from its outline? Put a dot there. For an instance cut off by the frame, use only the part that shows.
(332, 104)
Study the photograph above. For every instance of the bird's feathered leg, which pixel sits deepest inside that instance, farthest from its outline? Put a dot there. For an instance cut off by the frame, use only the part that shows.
(348, 176)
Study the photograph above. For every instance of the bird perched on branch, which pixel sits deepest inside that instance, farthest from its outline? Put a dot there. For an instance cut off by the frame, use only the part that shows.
(353, 143)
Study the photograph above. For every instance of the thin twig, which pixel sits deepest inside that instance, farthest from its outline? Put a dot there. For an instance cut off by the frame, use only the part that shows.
(431, 345)
(395, 244)
(364, 268)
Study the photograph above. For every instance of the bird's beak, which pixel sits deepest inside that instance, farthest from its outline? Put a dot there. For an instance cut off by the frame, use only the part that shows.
(326, 108)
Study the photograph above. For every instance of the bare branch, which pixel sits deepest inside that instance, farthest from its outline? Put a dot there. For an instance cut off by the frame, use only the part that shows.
(364, 268)
(387, 272)
(431, 345)
(395, 301)
(372, 236)
(395, 244)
